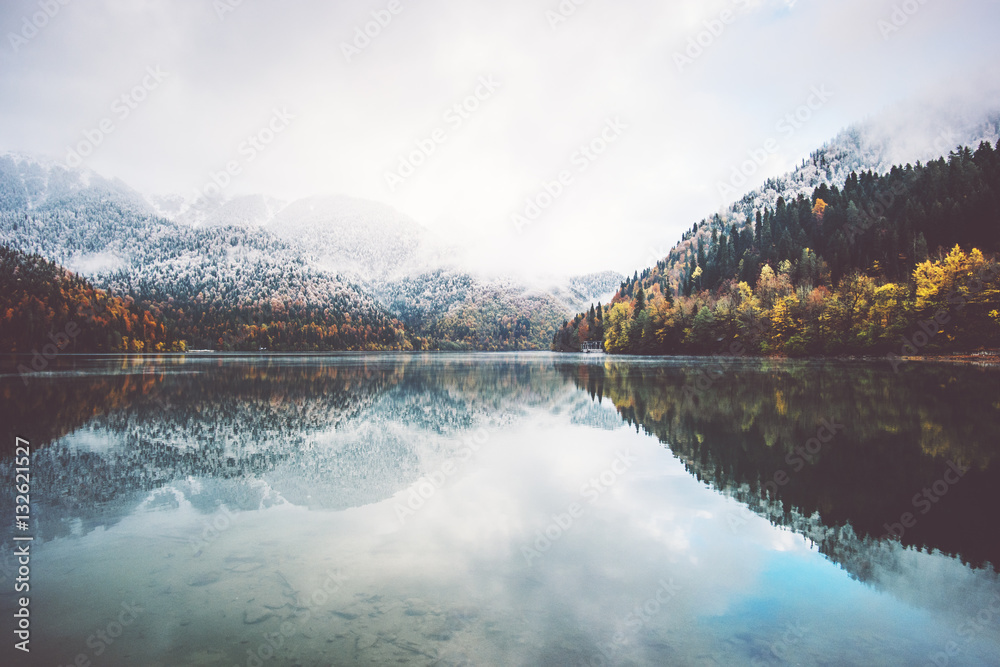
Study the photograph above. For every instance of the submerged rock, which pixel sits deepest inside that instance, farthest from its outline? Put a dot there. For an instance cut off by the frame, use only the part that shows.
(206, 578)
(239, 564)
(255, 614)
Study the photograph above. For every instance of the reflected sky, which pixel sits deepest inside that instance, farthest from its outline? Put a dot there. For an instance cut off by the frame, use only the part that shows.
(458, 510)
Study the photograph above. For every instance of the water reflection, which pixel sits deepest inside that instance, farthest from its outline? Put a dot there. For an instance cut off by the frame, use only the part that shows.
(854, 443)
(336, 432)
(420, 509)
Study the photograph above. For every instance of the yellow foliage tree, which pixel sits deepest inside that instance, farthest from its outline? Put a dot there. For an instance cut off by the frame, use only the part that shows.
(616, 328)
(958, 278)
(819, 208)
(783, 324)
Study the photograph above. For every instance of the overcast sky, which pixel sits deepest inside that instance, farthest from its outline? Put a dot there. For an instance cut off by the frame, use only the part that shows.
(672, 128)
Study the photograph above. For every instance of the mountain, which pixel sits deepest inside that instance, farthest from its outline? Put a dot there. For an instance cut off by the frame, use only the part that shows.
(364, 240)
(254, 272)
(353, 236)
(874, 145)
(479, 313)
(412, 273)
(471, 313)
(896, 264)
(580, 292)
(219, 287)
(251, 211)
(416, 276)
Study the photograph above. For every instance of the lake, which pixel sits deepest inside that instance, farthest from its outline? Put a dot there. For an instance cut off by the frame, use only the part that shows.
(504, 509)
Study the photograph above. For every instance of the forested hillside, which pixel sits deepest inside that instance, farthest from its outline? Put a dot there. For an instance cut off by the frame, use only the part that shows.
(45, 310)
(224, 288)
(855, 268)
(874, 145)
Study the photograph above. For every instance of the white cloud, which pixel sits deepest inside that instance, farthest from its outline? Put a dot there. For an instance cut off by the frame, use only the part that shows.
(354, 119)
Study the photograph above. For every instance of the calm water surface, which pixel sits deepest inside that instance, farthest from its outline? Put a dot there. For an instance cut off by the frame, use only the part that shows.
(523, 509)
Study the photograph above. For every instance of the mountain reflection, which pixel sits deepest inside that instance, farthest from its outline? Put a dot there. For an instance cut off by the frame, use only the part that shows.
(334, 432)
(325, 432)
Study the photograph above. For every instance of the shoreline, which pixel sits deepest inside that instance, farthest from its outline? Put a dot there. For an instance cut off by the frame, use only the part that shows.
(985, 358)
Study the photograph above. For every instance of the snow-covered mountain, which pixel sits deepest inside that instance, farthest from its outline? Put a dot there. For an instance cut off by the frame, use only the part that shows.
(905, 135)
(358, 237)
(30, 183)
(250, 211)
(409, 270)
(327, 257)
(109, 233)
(365, 255)
(365, 240)
(874, 145)
(580, 292)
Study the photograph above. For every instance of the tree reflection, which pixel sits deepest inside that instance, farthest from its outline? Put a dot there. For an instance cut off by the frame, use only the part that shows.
(745, 428)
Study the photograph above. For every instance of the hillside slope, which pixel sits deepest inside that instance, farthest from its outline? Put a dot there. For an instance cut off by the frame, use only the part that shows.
(46, 310)
(217, 287)
(853, 268)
